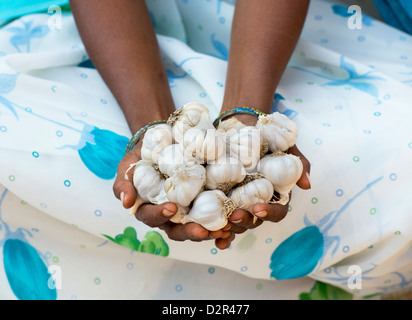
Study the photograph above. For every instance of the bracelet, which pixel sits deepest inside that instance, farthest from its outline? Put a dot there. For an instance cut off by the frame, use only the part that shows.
(241, 110)
(134, 140)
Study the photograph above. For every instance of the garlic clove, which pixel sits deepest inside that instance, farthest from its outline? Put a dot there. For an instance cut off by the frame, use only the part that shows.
(148, 181)
(283, 171)
(210, 209)
(230, 125)
(278, 131)
(185, 183)
(173, 156)
(204, 145)
(155, 140)
(191, 115)
(245, 145)
(224, 173)
(253, 190)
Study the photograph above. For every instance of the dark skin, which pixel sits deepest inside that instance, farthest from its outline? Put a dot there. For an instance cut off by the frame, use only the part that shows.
(262, 42)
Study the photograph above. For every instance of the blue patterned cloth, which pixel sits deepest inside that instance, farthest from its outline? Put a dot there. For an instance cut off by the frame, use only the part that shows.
(397, 13)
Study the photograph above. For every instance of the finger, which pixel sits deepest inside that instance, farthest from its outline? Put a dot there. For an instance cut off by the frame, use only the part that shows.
(270, 212)
(243, 219)
(304, 181)
(124, 188)
(223, 244)
(182, 232)
(156, 215)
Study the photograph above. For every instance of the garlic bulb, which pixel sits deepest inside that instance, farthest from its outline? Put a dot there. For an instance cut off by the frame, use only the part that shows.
(254, 189)
(171, 157)
(283, 170)
(204, 145)
(246, 146)
(189, 116)
(186, 182)
(278, 131)
(148, 181)
(224, 174)
(210, 209)
(231, 124)
(155, 140)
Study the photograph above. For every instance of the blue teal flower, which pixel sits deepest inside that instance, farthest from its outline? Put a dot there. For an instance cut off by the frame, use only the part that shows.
(25, 267)
(298, 255)
(102, 151)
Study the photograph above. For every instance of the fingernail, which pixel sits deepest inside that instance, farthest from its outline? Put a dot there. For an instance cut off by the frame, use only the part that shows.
(168, 213)
(121, 196)
(236, 221)
(227, 227)
(308, 177)
(262, 214)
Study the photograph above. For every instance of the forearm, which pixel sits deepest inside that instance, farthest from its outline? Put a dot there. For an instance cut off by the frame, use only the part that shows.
(264, 35)
(121, 42)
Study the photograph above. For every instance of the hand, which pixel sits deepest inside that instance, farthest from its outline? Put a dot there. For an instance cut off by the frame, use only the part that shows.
(241, 220)
(158, 216)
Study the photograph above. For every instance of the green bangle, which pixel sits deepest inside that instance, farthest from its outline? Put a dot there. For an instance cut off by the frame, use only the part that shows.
(134, 140)
(240, 110)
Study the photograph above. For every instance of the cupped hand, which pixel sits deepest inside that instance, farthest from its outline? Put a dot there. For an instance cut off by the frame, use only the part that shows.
(158, 216)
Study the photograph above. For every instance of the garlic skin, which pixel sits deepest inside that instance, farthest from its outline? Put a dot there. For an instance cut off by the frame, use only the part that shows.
(255, 189)
(204, 145)
(192, 114)
(278, 131)
(224, 174)
(148, 181)
(155, 140)
(283, 170)
(172, 157)
(186, 182)
(245, 145)
(211, 210)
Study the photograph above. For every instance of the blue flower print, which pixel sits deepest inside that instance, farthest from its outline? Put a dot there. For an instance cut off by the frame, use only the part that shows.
(22, 36)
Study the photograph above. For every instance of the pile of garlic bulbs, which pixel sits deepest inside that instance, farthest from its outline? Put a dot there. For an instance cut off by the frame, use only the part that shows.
(208, 172)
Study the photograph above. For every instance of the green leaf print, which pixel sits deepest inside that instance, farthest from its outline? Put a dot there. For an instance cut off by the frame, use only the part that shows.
(153, 242)
(324, 291)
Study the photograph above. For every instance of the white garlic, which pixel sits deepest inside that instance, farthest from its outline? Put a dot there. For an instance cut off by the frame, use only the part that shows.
(204, 145)
(155, 140)
(210, 209)
(171, 157)
(245, 145)
(224, 174)
(191, 115)
(185, 183)
(148, 181)
(278, 131)
(254, 189)
(283, 170)
(230, 125)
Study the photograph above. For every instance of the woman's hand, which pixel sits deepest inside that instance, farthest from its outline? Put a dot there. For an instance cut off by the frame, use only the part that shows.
(158, 216)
